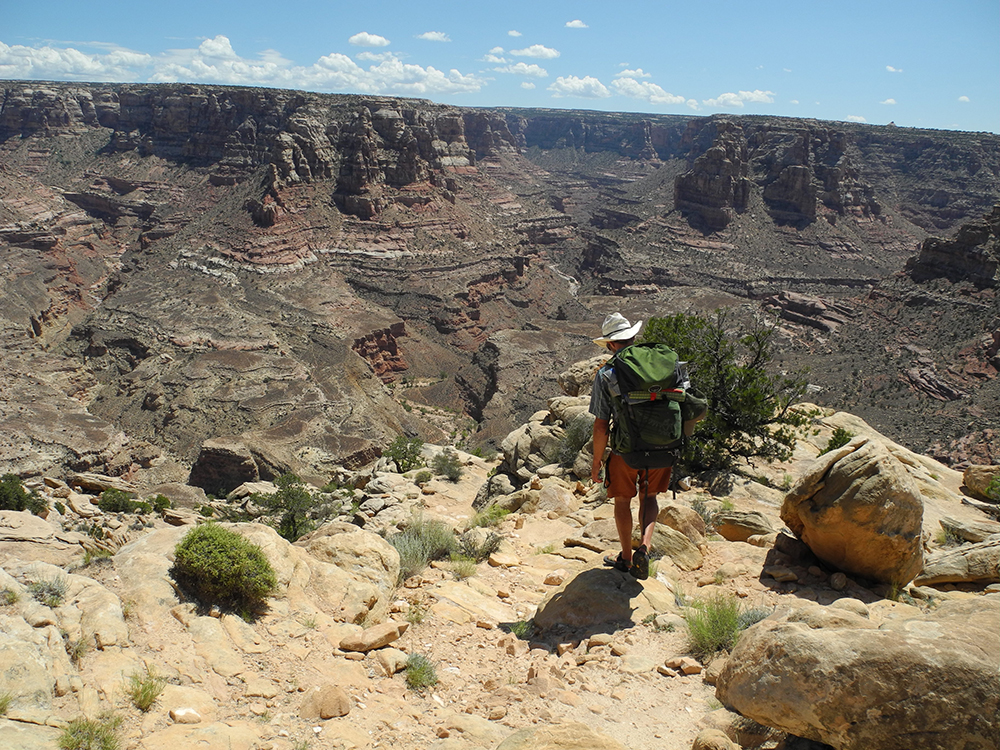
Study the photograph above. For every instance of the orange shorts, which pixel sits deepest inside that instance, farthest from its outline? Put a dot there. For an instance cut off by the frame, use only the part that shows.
(621, 479)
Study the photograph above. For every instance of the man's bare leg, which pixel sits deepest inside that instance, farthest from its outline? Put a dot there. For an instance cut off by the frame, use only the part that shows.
(649, 509)
(623, 521)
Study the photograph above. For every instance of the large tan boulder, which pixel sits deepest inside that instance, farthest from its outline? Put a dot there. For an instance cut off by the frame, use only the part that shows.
(977, 480)
(917, 681)
(858, 510)
(683, 519)
(361, 554)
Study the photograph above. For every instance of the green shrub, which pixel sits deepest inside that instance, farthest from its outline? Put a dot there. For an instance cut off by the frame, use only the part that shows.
(405, 452)
(421, 542)
(750, 412)
(92, 734)
(715, 624)
(478, 548)
(462, 567)
(449, 464)
(97, 556)
(116, 501)
(289, 506)
(576, 434)
(522, 629)
(489, 516)
(50, 592)
(838, 439)
(143, 688)
(76, 649)
(423, 477)
(161, 503)
(6, 698)
(221, 567)
(13, 496)
(416, 614)
(420, 672)
(993, 489)
(9, 597)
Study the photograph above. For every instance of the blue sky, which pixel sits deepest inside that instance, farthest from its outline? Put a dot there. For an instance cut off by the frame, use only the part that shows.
(913, 62)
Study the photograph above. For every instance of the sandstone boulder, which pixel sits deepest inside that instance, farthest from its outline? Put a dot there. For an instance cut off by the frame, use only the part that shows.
(738, 526)
(580, 376)
(977, 481)
(683, 519)
(857, 509)
(970, 563)
(917, 681)
(970, 531)
(360, 553)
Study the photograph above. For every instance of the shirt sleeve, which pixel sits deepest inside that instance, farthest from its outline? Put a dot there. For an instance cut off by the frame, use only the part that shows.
(600, 402)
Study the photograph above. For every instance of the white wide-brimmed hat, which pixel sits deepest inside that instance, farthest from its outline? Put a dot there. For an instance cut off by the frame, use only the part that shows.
(617, 328)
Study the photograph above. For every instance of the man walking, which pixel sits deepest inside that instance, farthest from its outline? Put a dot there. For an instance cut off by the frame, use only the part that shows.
(621, 479)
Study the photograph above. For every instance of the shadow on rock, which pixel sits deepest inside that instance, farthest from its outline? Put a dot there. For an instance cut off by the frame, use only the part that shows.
(591, 602)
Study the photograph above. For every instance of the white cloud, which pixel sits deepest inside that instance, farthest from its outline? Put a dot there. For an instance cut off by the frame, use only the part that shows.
(375, 56)
(364, 39)
(536, 50)
(893, 70)
(512, 32)
(219, 47)
(577, 24)
(496, 51)
(730, 100)
(214, 61)
(793, 101)
(527, 85)
(434, 36)
(856, 118)
(888, 101)
(637, 73)
(963, 99)
(523, 69)
(693, 104)
(587, 87)
(41, 63)
(494, 59)
(644, 90)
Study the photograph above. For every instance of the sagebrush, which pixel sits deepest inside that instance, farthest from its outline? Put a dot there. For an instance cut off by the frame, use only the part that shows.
(221, 567)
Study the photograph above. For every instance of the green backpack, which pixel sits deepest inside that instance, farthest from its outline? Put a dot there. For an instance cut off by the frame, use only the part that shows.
(650, 402)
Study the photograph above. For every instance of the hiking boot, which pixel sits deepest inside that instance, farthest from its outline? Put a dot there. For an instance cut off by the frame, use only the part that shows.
(640, 563)
(617, 563)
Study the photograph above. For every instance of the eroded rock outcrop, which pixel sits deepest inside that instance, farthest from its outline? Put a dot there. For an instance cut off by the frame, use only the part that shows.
(915, 681)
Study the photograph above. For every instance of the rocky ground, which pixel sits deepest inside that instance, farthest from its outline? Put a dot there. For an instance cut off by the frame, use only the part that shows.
(606, 660)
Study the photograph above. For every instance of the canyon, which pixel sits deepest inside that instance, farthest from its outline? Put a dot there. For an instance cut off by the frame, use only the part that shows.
(294, 279)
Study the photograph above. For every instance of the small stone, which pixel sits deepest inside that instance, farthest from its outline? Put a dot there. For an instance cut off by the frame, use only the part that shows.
(838, 581)
(496, 713)
(556, 578)
(185, 716)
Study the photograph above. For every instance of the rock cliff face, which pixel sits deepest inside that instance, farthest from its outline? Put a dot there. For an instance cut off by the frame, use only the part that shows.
(310, 275)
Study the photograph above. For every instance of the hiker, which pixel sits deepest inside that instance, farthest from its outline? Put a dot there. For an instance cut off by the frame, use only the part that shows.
(620, 478)
(644, 445)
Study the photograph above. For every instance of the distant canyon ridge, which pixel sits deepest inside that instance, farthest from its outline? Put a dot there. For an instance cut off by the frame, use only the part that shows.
(285, 281)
